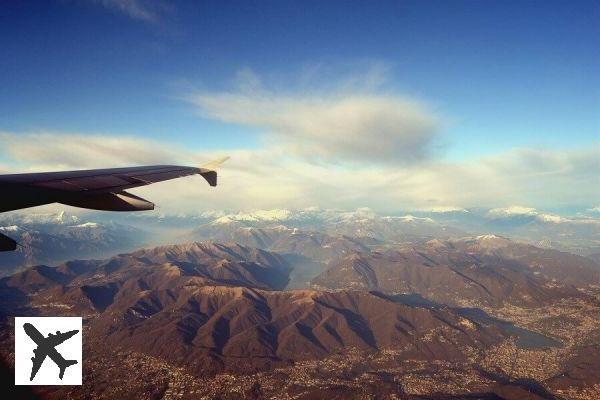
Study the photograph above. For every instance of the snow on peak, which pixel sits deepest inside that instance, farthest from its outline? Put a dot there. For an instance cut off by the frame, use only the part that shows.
(11, 228)
(87, 225)
(488, 237)
(551, 218)
(256, 216)
(409, 218)
(446, 209)
(273, 215)
(412, 218)
(492, 241)
(360, 214)
(223, 220)
(512, 211)
(64, 218)
(528, 212)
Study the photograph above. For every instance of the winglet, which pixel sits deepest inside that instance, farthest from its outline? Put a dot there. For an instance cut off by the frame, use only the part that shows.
(212, 165)
(208, 170)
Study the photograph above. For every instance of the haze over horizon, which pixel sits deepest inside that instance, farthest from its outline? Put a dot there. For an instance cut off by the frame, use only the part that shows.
(407, 106)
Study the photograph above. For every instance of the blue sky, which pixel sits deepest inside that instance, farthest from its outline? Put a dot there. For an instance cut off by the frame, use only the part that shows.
(498, 75)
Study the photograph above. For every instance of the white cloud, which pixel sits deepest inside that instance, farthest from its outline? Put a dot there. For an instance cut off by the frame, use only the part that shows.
(351, 144)
(270, 178)
(64, 151)
(349, 124)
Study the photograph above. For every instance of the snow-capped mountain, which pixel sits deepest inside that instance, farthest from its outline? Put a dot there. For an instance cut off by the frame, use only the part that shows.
(578, 233)
(51, 238)
(362, 222)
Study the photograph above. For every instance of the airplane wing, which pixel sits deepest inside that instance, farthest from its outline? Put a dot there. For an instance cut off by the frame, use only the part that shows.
(55, 340)
(98, 189)
(37, 361)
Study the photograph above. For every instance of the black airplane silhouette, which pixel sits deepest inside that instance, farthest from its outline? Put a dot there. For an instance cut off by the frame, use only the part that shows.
(46, 347)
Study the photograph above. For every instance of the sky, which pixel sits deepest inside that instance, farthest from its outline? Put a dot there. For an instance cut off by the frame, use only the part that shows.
(338, 104)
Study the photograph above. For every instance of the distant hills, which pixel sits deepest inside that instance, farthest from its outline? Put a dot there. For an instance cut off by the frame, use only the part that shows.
(479, 271)
(320, 236)
(361, 223)
(579, 234)
(52, 238)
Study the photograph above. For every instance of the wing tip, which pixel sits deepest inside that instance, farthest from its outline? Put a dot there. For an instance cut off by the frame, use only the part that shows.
(208, 170)
(212, 165)
(211, 177)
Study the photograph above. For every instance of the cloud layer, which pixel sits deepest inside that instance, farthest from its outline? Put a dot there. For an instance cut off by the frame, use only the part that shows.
(270, 178)
(44, 150)
(354, 126)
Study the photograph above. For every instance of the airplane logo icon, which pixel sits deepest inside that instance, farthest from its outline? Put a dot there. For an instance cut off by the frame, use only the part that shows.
(46, 347)
(48, 350)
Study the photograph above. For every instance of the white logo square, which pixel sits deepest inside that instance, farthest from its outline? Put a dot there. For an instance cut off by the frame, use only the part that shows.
(48, 350)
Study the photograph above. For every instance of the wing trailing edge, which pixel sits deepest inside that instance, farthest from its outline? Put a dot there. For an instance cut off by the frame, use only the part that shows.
(119, 201)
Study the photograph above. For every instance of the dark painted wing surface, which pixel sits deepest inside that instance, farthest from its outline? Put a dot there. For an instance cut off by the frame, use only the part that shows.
(99, 189)
(106, 180)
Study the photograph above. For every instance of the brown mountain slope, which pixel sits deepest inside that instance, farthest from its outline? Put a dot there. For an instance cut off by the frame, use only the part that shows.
(554, 265)
(452, 272)
(184, 304)
(307, 252)
(211, 328)
(225, 263)
(91, 285)
(317, 246)
(160, 322)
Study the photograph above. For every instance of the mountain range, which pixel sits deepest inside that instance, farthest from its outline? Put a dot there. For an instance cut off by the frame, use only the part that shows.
(49, 238)
(220, 303)
(286, 302)
(52, 238)
(480, 271)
